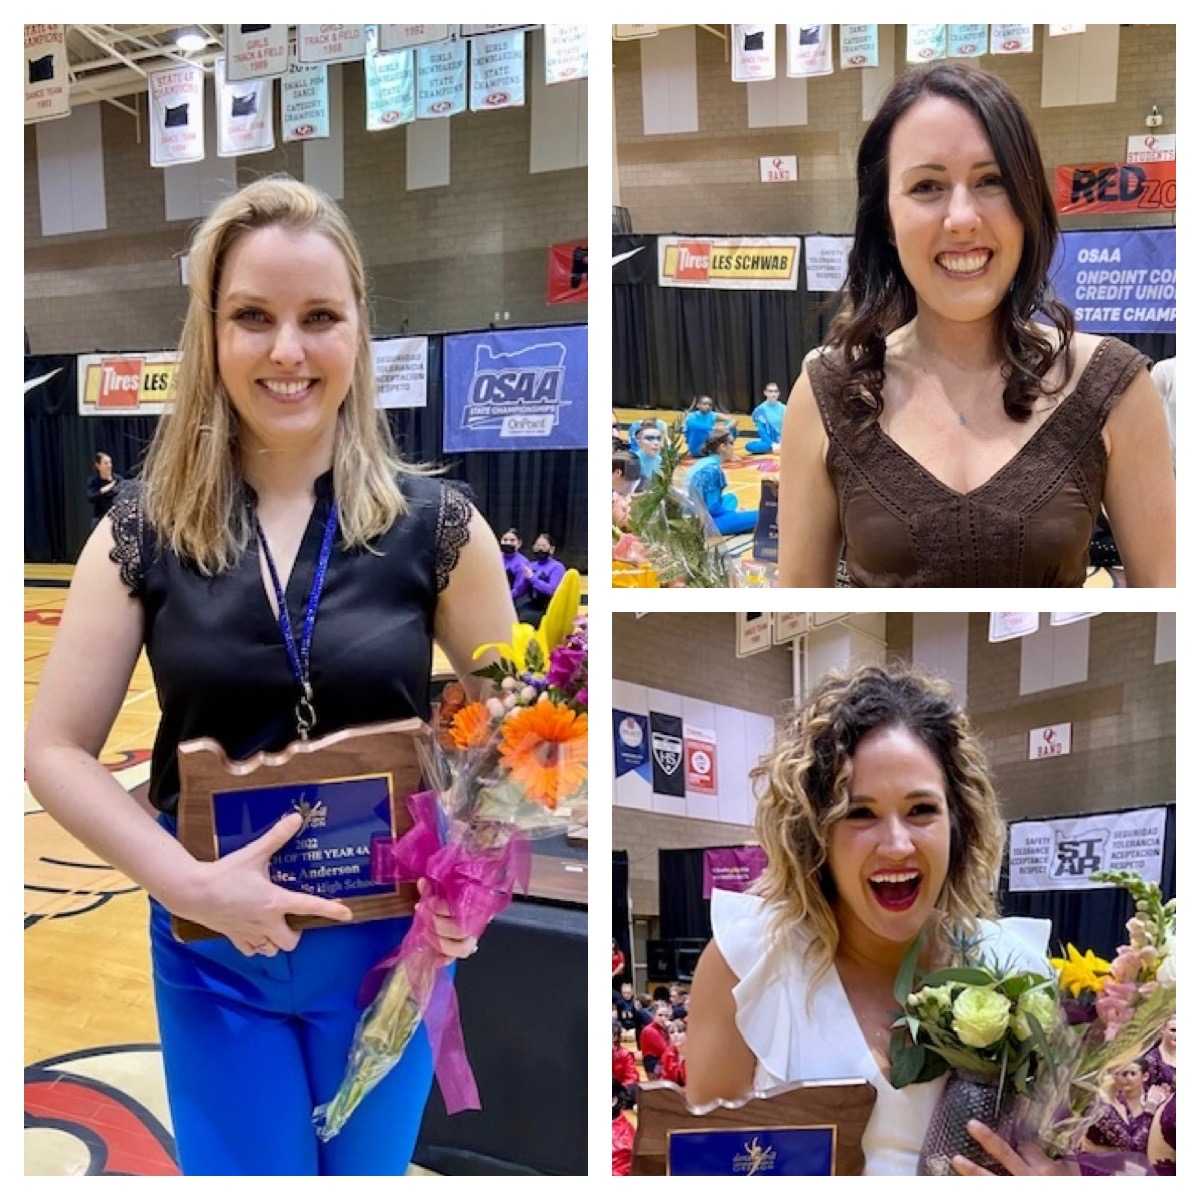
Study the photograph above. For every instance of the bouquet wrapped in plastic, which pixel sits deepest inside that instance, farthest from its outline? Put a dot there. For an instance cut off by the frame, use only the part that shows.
(502, 771)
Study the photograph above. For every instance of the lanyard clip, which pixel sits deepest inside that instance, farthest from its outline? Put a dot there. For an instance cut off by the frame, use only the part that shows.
(306, 715)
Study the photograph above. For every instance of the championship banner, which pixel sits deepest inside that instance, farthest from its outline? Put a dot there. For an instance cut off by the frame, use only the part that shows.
(567, 273)
(304, 101)
(520, 389)
(1115, 188)
(245, 115)
(498, 71)
(442, 79)
(825, 262)
(469, 31)
(126, 385)
(403, 37)
(858, 46)
(809, 51)
(331, 43)
(176, 116)
(1060, 855)
(1117, 281)
(735, 264)
(924, 43)
(566, 52)
(1003, 626)
(753, 53)
(401, 372)
(967, 41)
(1012, 39)
(47, 88)
(257, 52)
(631, 744)
(700, 760)
(391, 86)
(732, 868)
(666, 750)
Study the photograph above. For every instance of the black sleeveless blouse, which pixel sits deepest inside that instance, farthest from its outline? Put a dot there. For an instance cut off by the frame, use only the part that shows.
(219, 665)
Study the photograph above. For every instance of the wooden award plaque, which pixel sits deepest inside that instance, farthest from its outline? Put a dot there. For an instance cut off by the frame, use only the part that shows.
(845, 1105)
(352, 785)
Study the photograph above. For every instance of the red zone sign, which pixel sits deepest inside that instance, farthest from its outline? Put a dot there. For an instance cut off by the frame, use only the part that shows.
(1115, 188)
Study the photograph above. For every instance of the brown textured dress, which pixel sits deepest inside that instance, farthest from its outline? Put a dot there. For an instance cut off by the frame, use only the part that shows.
(1029, 525)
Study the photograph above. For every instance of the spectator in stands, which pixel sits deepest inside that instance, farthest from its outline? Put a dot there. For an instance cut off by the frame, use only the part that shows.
(626, 1006)
(102, 487)
(656, 1039)
(678, 1008)
(543, 575)
(624, 1065)
(673, 1067)
(516, 565)
(768, 420)
(707, 484)
(622, 1131)
(618, 437)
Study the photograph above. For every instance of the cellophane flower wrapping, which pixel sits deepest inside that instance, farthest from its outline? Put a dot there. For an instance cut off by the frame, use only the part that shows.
(1112, 1013)
(502, 772)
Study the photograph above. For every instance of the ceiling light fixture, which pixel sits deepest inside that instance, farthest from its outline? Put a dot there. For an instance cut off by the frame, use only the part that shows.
(190, 40)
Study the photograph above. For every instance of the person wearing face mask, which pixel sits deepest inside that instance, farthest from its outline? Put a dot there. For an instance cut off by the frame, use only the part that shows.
(881, 825)
(543, 576)
(707, 484)
(768, 420)
(955, 430)
(516, 565)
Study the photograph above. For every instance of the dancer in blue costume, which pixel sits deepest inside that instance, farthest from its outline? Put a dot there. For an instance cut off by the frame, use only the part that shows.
(649, 450)
(768, 420)
(699, 424)
(707, 484)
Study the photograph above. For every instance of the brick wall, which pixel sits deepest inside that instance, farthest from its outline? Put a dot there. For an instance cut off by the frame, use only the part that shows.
(708, 181)
(438, 259)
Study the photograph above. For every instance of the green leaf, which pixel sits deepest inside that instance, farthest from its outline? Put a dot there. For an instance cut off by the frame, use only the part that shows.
(534, 662)
(975, 976)
(906, 974)
(1039, 1038)
(933, 1068)
(965, 1060)
(907, 1062)
(496, 672)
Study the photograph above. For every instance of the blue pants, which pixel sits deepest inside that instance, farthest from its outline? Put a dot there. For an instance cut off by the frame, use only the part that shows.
(758, 446)
(737, 520)
(252, 1045)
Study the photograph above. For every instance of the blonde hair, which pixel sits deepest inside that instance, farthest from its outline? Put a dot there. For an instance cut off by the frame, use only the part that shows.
(192, 475)
(802, 793)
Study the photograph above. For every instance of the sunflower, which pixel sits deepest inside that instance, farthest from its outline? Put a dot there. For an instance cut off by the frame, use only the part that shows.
(545, 748)
(471, 726)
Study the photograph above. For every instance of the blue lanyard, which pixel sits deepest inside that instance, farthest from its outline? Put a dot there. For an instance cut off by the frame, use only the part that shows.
(298, 657)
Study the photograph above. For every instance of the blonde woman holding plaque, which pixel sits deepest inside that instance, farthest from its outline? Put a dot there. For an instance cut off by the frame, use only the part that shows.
(271, 491)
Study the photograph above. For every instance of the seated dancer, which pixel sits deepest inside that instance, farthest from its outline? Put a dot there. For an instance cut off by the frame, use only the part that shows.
(706, 484)
(698, 425)
(649, 451)
(768, 420)
(545, 573)
(516, 565)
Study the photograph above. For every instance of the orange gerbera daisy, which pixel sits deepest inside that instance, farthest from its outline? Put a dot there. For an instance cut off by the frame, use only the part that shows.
(471, 726)
(545, 748)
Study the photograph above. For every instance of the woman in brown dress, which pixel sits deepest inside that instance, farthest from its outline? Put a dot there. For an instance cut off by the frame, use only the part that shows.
(943, 437)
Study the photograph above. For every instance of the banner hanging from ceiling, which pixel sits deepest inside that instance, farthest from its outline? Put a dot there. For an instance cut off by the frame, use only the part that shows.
(331, 43)
(404, 37)
(498, 71)
(47, 85)
(441, 79)
(176, 116)
(257, 52)
(391, 86)
(245, 115)
(566, 52)
(304, 101)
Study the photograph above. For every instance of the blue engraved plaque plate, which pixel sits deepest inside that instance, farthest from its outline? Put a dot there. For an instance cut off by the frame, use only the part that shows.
(331, 855)
(772, 1151)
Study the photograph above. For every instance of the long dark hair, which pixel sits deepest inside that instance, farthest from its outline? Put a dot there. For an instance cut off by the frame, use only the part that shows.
(877, 297)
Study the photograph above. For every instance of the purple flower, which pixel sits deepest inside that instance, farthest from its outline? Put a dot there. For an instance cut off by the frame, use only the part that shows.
(564, 666)
(581, 697)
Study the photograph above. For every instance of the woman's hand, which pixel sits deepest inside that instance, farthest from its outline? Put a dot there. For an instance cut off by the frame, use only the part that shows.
(235, 896)
(1029, 1160)
(453, 942)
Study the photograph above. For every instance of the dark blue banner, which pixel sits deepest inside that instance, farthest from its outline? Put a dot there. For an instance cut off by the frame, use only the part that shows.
(519, 389)
(1117, 282)
(631, 744)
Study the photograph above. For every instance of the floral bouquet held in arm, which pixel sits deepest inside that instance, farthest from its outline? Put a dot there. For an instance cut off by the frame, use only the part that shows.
(501, 772)
(976, 1020)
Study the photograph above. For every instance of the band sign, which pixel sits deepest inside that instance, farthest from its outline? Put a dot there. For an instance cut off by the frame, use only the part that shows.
(1050, 741)
(731, 263)
(1116, 187)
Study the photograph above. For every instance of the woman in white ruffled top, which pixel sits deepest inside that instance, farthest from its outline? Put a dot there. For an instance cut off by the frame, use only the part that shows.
(880, 824)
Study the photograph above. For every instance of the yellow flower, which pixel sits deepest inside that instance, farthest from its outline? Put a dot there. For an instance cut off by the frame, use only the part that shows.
(555, 626)
(545, 748)
(1079, 971)
(523, 636)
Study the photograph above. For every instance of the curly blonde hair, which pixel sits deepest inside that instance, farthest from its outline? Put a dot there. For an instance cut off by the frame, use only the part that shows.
(192, 475)
(802, 793)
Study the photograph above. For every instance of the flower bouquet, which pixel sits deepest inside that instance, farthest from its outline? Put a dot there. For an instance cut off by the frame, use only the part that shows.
(502, 771)
(1114, 1013)
(977, 1021)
